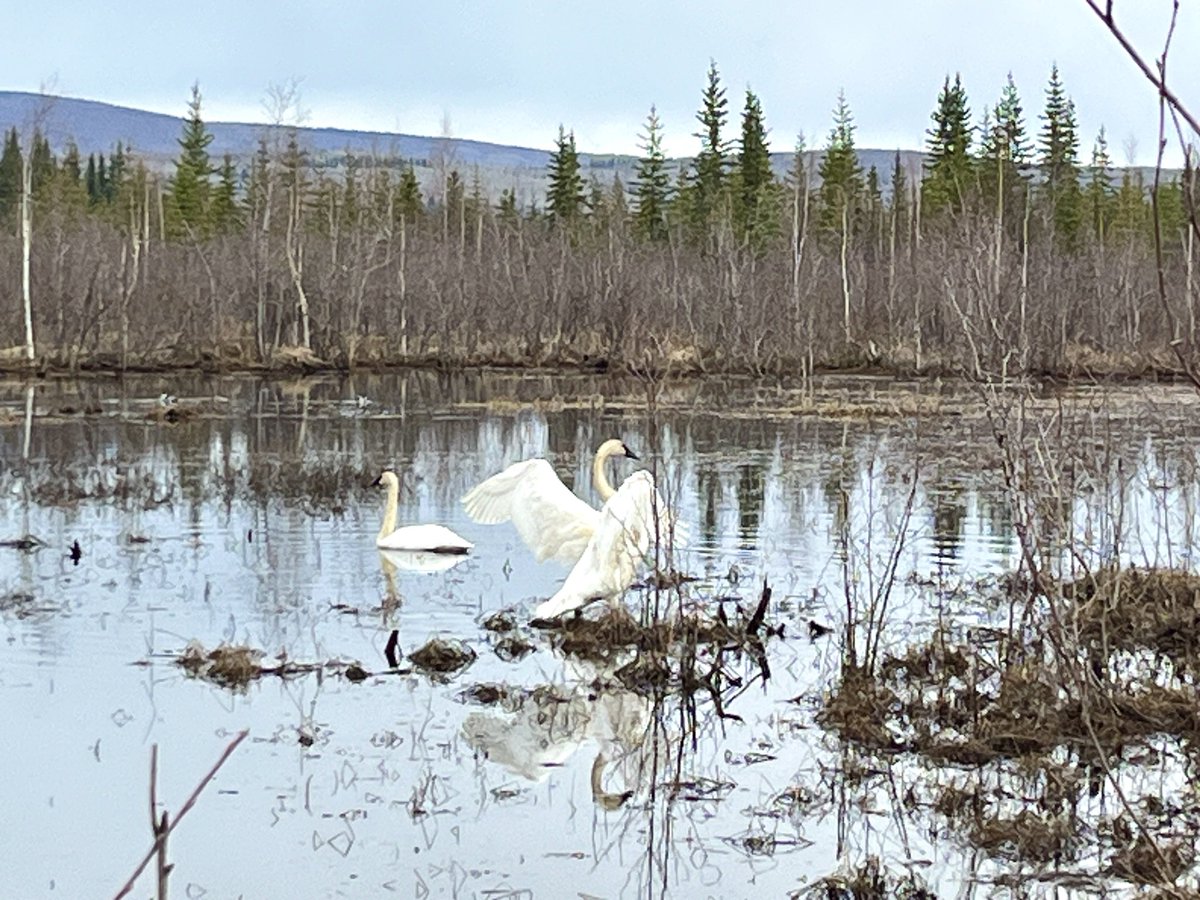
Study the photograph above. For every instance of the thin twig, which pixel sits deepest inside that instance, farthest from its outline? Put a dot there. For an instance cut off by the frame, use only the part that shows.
(1159, 82)
(191, 801)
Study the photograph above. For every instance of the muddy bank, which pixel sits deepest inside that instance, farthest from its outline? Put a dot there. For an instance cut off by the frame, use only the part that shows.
(683, 362)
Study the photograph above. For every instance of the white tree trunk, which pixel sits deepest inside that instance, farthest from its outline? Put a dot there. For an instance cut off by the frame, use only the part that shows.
(26, 241)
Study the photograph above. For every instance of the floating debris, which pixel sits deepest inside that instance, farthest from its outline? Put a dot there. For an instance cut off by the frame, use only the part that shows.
(504, 620)
(236, 665)
(513, 647)
(442, 656)
(228, 665)
(484, 694)
(25, 543)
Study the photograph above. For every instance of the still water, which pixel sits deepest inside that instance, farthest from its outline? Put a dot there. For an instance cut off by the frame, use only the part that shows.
(252, 522)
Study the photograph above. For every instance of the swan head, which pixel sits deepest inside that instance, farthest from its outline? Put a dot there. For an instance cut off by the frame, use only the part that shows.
(616, 447)
(387, 478)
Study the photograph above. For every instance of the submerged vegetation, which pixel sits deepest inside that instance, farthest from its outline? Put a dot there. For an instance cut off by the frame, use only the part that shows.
(1007, 250)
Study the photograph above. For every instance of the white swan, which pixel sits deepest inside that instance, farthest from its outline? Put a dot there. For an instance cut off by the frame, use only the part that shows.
(552, 521)
(429, 538)
(617, 550)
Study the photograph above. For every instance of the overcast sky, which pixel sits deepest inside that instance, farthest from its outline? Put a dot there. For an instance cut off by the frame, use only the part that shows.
(510, 71)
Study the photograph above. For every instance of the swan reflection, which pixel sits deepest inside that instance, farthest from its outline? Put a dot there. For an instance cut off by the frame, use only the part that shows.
(531, 732)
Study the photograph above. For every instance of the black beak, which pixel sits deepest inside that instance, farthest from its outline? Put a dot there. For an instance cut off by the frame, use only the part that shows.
(377, 482)
(629, 454)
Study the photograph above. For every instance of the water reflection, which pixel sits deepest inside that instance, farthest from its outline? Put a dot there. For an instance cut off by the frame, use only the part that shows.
(250, 521)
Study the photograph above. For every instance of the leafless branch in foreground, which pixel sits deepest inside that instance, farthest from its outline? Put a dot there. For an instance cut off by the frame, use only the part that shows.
(163, 830)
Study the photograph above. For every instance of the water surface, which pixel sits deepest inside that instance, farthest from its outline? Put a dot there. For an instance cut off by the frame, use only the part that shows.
(251, 521)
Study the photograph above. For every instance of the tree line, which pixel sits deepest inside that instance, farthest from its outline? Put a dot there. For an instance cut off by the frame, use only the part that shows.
(1003, 253)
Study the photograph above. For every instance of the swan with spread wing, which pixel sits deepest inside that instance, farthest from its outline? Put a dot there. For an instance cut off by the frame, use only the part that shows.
(617, 551)
(552, 521)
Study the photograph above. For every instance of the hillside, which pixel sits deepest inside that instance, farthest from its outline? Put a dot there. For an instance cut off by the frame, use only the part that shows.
(97, 127)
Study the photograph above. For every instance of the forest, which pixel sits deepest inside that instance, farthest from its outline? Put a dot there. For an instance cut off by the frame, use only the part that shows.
(1007, 253)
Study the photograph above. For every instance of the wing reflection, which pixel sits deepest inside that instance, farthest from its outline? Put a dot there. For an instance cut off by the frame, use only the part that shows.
(531, 732)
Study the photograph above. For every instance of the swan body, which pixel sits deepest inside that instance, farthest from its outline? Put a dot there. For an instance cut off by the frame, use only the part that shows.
(552, 521)
(616, 551)
(413, 538)
(426, 561)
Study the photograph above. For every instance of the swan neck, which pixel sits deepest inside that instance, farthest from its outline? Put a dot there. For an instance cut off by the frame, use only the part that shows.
(603, 486)
(389, 510)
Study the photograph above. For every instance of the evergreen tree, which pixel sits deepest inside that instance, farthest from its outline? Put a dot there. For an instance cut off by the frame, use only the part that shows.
(1007, 139)
(564, 190)
(70, 170)
(101, 176)
(652, 184)
(258, 185)
(1004, 150)
(1130, 211)
(948, 164)
(476, 203)
(93, 190)
(841, 174)
(189, 187)
(70, 191)
(899, 204)
(1100, 189)
(116, 173)
(757, 191)
(506, 208)
(1059, 159)
(707, 183)
(41, 162)
(455, 201)
(408, 195)
(224, 212)
(10, 176)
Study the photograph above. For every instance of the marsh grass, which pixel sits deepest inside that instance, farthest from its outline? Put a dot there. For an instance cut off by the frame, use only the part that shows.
(1075, 693)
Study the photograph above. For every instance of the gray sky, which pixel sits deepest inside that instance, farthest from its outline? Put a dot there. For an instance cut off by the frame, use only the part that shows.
(510, 71)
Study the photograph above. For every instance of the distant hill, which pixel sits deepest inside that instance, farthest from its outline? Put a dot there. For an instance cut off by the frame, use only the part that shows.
(97, 127)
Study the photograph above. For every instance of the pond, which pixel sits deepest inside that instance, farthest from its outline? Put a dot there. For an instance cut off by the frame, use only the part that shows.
(249, 519)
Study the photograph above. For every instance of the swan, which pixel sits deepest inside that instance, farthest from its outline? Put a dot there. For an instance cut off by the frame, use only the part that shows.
(616, 551)
(429, 538)
(552, 521)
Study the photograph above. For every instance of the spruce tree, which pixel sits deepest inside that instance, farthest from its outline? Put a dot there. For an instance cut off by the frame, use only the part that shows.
(71, 170)
(564, 190)
(10, 176)
(1004, 150)
(1059, 157)
(841, 174)
(652, 184)
(41, 161)
(1130, 210)
(116, 173)
(948, 164)
(189, 187)
(224, 212)
(899, 205)
(506, 208)
(408, 195)
(93, 190)
(707, 182)
(756, 204)
(1100, 189)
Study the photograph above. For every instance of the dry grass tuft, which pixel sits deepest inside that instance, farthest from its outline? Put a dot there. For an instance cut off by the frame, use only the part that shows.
(229, 665)
(442, 656)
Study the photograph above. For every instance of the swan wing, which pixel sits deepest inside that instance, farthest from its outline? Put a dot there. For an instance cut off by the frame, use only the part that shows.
(616, 552)
(428, 538)
(552, 521)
